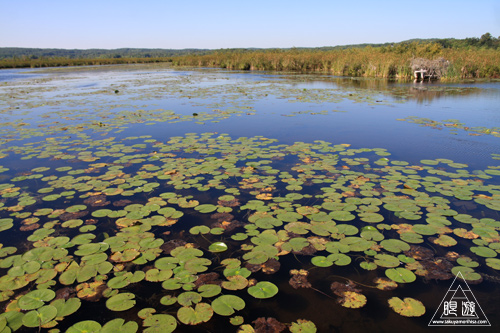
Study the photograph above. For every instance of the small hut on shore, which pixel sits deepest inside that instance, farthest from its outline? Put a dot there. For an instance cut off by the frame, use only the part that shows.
(429, 69)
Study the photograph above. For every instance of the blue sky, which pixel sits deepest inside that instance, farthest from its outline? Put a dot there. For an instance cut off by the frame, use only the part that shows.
(216, 24)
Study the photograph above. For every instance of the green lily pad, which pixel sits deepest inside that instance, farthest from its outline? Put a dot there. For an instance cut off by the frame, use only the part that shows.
(401, 275)
(201, 313)
(217, 247)
(467, 272)
(86, 326)
(160, 323)
(35, 299)
(493, 263)
(65, 308)
(209, 290)
(205, 208)
(235, 282)
(303, 326)
(339, 259)
(119, 325)
(189, 298)
(226, 305)
(386, 260)
(200, 229)
(394, 245)
(42, 316)
(321, 261)
(467, 262)
(408, 307)
(483, 251)
(121, 302)
(263, 289)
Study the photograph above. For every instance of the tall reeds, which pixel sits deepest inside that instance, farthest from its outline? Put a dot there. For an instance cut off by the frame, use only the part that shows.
(386, 62)
(393, 61)
(60, 62)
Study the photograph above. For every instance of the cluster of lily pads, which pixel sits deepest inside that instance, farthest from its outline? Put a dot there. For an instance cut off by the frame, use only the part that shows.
(205, 220)
(161, 234)
(454, 125)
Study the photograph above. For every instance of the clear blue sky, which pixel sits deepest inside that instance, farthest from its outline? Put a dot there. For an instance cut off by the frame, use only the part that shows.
(216, 24)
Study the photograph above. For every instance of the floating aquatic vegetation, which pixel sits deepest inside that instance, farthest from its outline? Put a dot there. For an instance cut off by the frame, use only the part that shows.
(200, 218)
(408, 307)
(453, 125)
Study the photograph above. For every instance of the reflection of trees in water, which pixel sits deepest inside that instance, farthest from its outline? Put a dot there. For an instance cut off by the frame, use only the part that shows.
(421, 92)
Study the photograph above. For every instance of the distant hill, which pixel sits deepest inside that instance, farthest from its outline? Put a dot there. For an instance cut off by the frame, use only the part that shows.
(33, 53)
(486, 41)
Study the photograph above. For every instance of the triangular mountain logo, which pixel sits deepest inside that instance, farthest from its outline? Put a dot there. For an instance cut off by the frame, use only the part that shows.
(459, 307)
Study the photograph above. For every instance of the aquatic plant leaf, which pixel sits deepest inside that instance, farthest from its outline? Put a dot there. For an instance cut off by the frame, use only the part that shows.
(209, 290)
(369, 266)
(201, 313)
(217, 247)
(353, 300)
(493, 263)
(65, 308)
(483, 251)
(235, 282)
(386, 260)
(168, 300)
(401, 275)
(268, 325)
(119, 325)
(13, 320)
(236, 320)
(408, 307)
(121, 302)
(160, 323)
(200, 229)
(468, 274)
(226, 305)
(339, 259)
(188, 298)
(197, 265)
(36, 299)
(86, 326)
(42, 316)
(467, 262)
(394, 245)
(385, 284)
(321, 261)
(303, 326)
(263, 289)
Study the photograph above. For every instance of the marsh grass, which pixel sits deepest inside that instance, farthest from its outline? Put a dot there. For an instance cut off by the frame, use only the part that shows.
(392, 61)
(385, 62)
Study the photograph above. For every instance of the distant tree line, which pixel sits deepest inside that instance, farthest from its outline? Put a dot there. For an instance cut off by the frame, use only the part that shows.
(464, 58)
(31, 53)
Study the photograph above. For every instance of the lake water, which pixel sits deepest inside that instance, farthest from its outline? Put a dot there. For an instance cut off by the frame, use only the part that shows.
(204, 199)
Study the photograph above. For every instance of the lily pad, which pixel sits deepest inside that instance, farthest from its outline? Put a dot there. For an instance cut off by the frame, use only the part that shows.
(36, 299)
(263, 289)
(42, 316)
(226, 305)
(401, 275)
(217, 247)
(160, 323)
(119, 325)
(201, 313)
(353, 300)
(86, 326)
(408, 307)
(121, 302)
